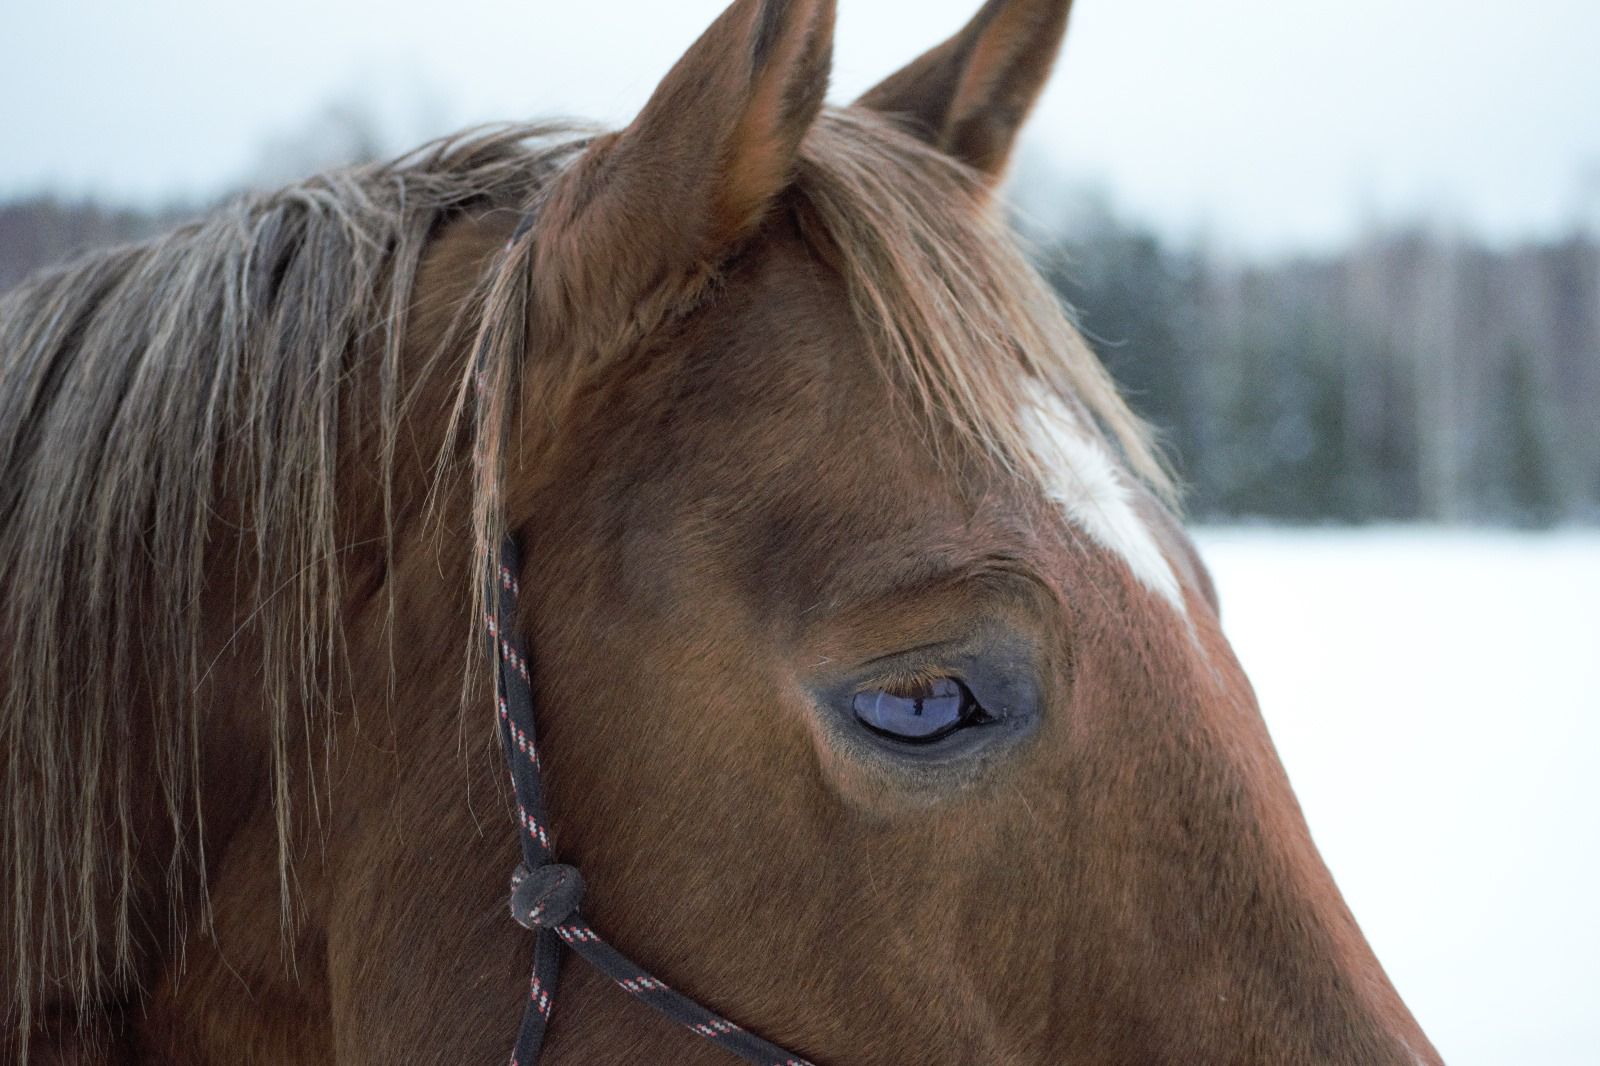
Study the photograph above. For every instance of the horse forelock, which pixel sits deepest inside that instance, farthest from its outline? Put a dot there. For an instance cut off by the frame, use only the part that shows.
(957, 312)
(975, 338)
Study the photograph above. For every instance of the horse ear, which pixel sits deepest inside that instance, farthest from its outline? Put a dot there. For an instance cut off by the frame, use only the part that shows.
(698, 168)
(970, 95)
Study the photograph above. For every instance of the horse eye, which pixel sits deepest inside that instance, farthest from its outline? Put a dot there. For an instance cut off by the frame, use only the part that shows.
(941, 708)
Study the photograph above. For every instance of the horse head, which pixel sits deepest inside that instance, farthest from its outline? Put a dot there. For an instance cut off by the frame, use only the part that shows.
(884, 702)
(889, 699)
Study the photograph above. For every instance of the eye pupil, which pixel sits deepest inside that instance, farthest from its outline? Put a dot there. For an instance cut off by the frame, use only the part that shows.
(942, 707)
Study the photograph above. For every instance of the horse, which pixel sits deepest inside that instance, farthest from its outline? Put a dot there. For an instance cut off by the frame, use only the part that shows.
(884, 701)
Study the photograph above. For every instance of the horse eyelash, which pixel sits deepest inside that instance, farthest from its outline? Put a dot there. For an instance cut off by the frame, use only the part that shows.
(910, 684)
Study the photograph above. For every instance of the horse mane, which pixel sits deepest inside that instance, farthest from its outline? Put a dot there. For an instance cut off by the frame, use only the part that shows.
(150, 392)
(146, 392)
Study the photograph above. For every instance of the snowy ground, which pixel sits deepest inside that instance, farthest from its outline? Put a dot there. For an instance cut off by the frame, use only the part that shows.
(1436, 699)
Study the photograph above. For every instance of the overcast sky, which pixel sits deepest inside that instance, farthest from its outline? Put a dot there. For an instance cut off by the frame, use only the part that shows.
(1264, 124)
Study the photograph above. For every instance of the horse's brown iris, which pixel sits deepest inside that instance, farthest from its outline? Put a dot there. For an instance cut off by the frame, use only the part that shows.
(936, 709)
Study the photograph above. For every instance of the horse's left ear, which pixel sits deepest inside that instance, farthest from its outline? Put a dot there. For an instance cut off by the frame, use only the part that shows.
(663, 200)
(971, 94)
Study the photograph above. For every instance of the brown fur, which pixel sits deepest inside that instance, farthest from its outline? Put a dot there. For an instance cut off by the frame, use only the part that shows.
(752, 442)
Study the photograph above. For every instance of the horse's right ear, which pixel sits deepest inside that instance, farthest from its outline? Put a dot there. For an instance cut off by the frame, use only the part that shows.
(651, 208)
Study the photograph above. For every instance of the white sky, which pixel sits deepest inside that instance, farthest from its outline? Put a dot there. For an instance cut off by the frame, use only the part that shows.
(1265, 124)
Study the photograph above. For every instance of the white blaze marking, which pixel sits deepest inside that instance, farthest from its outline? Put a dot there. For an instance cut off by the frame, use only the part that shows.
(1084, 480)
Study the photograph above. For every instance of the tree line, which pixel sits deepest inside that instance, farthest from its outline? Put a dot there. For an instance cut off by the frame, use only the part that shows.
(1412, 376)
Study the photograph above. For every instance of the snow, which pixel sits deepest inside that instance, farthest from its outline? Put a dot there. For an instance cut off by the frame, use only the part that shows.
(1435, 697)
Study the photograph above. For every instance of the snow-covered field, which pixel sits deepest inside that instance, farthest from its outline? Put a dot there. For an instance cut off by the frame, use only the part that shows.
(1436, 699)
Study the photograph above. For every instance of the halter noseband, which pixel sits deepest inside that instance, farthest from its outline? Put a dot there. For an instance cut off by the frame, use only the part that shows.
(546, 895)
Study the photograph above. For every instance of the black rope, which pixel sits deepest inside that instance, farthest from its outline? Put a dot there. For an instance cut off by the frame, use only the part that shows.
(545, 895)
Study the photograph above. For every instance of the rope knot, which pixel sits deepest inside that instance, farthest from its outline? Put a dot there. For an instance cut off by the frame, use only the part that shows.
(545, 897)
